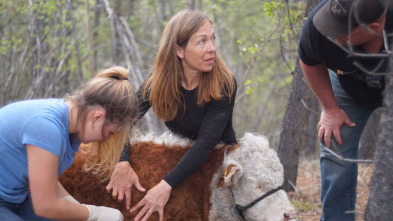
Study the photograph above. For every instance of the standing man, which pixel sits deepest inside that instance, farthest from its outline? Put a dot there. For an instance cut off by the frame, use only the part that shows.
(344, 49)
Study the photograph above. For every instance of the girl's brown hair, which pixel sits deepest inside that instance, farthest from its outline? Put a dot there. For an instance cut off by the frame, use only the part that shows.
(111, 90)
(163, 86)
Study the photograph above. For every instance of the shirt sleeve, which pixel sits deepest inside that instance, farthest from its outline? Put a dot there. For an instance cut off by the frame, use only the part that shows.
(311, 42)
(214, 122)
(50, 136)
(143, 106)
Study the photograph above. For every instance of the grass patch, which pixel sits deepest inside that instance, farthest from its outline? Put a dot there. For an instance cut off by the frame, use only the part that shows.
(302, 206)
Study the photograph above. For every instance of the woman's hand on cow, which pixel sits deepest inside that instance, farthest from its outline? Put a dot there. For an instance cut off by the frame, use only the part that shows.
(121, 182)
(154, 201)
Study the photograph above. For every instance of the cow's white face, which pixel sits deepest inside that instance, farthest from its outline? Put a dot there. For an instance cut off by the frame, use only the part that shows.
(250, 171)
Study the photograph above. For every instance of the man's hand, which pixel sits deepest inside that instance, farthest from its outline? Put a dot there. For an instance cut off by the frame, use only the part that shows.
(330, 123)
(121, 182)
(154, 201)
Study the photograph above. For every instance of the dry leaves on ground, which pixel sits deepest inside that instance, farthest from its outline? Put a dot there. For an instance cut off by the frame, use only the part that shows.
(306, 199)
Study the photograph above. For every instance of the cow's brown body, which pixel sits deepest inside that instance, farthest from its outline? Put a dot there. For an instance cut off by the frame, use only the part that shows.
(151, 162)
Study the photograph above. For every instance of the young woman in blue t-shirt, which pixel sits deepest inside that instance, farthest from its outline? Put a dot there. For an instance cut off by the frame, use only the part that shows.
(39, 138)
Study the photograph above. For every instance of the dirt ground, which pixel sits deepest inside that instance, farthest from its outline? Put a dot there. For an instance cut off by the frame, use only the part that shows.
(306, 199)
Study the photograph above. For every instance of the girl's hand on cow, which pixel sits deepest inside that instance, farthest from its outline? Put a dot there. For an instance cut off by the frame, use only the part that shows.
(154, 201)
(121, 182)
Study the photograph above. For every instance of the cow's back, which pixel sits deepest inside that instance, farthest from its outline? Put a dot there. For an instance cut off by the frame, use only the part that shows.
(151, 162)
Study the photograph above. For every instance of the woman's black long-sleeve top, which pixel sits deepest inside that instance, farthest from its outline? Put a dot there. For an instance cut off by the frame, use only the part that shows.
(207, 125)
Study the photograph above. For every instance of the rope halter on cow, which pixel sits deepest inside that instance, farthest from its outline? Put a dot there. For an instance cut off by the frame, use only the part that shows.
(241, 209)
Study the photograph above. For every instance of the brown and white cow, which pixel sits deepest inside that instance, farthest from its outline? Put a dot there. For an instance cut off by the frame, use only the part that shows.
(233, 175)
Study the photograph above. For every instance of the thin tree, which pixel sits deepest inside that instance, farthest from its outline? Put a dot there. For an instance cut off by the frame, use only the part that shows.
(379, 205)
(293, 136)
(368, 141)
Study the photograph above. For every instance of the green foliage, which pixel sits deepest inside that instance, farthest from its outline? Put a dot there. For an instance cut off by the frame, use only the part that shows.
(263, 32)
(247, 83)
(288, 80)
(270, 8)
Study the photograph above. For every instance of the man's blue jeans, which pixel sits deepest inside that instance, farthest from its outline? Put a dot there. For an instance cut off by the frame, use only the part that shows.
(18, 211)
(339, 178)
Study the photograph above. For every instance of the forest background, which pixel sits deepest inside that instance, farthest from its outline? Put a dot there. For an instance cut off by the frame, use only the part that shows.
(50, 47)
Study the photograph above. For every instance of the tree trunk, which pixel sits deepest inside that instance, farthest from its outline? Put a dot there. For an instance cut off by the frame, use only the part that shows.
(368, 141)
(379, 206)
(76, 41)
(97, 13)
(311, 146)
(90, 40)
(191, 4)
(116, 38)
(294, 138)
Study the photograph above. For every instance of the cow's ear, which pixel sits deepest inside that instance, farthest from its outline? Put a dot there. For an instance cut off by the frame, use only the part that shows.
(231, 176)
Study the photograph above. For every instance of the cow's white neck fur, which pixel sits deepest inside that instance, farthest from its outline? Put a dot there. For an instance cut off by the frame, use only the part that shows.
(167, 138)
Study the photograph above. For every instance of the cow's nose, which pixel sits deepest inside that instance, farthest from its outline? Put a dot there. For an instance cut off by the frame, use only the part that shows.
(290, 216)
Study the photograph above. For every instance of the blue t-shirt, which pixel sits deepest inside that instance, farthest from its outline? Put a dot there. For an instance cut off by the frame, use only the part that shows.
(42, 123)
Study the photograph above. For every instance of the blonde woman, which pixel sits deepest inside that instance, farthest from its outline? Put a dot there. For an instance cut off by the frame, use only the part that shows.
(38, 140)
(193, 92)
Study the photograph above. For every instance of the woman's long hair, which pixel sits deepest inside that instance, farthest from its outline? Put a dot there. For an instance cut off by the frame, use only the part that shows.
(163, 86)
